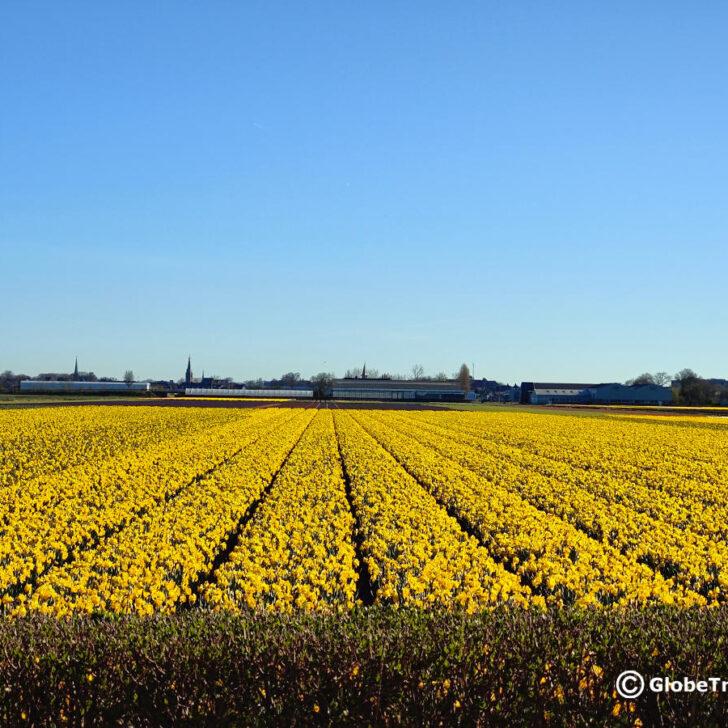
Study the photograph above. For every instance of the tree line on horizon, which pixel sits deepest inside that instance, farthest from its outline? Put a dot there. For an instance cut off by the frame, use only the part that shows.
(688, 388)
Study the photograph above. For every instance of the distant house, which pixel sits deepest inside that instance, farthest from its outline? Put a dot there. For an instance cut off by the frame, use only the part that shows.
(485, 386)
(503, 394)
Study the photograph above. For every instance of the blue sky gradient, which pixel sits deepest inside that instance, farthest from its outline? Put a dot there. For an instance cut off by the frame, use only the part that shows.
(536, 188)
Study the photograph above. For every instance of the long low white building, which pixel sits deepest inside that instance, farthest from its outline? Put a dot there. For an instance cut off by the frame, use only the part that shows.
(398, 389)
(38, 387)
(242, 393)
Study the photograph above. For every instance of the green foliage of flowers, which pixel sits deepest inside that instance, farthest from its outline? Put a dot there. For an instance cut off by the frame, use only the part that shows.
(373, 666)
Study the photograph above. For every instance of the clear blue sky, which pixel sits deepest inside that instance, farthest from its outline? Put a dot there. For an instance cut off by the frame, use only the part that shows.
(539, 188)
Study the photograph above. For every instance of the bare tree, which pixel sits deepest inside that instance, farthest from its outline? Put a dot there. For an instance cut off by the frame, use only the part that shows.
(291, 379)
(128, 377)
(640, 381)
(441, 377)
(684, 374)
(662, 379)
(418, 371)
(322, 383)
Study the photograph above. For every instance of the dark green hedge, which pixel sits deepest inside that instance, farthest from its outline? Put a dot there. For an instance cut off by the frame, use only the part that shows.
(376, 666)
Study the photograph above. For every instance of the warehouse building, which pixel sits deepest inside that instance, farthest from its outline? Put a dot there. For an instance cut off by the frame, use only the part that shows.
(612, 393)
(397, 390)
(554, 393)
(645, 394)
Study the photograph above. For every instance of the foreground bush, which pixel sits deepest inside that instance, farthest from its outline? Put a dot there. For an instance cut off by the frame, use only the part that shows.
(374, 666)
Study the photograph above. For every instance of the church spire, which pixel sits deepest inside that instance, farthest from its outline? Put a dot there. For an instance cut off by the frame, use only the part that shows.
(364, 371)
(188, 373)
(75, 371)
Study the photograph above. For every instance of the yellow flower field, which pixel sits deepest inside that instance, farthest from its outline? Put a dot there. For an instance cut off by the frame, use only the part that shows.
(145, 509)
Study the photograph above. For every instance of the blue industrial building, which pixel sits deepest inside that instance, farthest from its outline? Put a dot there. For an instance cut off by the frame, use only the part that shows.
(610, 393)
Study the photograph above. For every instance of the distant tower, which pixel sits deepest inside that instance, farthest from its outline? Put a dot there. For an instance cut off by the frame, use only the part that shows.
(364, 372)
(188, 373)
(75, 371)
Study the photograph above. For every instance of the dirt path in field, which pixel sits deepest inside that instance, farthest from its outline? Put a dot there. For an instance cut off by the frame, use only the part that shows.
(171, 402)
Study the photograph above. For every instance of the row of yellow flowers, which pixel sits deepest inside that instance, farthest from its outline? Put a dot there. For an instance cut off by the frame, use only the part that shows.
(297, 551)
(416, 554)
(557, 559)
(49, 519)
(652, 527)
(620, 444)
(674, 456)
(241, 398)
(126, 509)
(154, 563)
(35, 442)
(671, 472)
(674, 471)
